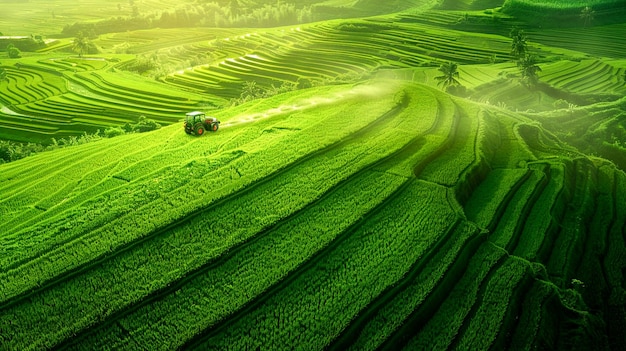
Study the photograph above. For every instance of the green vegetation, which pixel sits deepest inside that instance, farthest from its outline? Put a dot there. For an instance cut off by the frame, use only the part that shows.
(12, 151)
(529, 68)
(519, 45)
(81, 44)
(13, 52)
(556, 4)
(587, 15)
(568, 13)
(449, 74)
(410, 175)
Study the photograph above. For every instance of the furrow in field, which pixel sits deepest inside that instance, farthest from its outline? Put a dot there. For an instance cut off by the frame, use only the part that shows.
(458, 153)
(541, 228)
(559, 194)
(588, 79)
(439, 327)
(487, 206)
(464, 298)
(195, 152)
(566, 255)
(314, 290)
(505, 283)
(350, 335)
(105, 92)
(82, 267)
(562, 78)
(446, 124)
(614, 264)
(372, 131)
(384, 320)
(588, 276)
(532, 310)
(544, 179)
(607, 197)
(244, 246)
(286, 230)
(357, 334)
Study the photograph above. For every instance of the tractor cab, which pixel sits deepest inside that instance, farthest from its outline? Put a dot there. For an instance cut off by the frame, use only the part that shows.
(194, 117)
(197, 123)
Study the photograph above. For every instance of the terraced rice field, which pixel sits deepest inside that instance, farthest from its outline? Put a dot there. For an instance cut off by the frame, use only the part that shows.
(566, 14)
(380, 214)
(424, 220)
(68, 96)
(605, 41)
(59, 97)
(325, 51)
(587, 77)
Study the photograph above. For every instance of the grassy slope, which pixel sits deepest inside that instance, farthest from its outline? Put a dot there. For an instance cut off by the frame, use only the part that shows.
(560, 14)
(48, 96)
(383, 215)
(165, 218)
(280, 56)
(95, 94)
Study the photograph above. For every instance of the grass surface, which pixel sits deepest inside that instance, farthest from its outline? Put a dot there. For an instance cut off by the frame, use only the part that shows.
(163, 213)
(351, 204)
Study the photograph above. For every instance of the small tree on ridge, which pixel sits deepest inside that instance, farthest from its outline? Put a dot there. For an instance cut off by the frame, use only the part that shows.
(529, 69)
(81, 44)
(519, 47)
(250, 91)
(13, 51)
(450, 74)
(587, 15)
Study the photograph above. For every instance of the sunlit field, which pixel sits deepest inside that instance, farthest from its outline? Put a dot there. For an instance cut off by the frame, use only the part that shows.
(413, 175)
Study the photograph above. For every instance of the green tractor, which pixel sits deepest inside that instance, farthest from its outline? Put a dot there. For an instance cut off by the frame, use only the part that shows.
(197, 123)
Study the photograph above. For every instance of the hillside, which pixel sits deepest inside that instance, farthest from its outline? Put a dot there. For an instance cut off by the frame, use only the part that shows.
(348, 201)
(412, 207)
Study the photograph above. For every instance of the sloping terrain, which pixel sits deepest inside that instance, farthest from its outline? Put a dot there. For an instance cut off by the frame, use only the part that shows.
(348, 203)
(332, 220)
(47, 96)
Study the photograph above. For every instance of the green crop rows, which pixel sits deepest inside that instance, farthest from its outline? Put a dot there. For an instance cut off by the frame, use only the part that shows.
(254, 249)
(56, 98)
(352, 204)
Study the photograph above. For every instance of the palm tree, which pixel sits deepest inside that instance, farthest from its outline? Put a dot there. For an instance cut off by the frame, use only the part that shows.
(81, 44)
(529, 69)
(518, 46)
(250, 91)
(3, 75)
(587, 15)
(450, 73)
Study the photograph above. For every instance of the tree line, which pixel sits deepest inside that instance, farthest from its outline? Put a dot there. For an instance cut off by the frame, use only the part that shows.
(203, 14)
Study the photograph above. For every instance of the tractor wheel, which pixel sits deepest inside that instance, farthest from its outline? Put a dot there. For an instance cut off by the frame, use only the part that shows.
(199, 130)
(215, 127)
